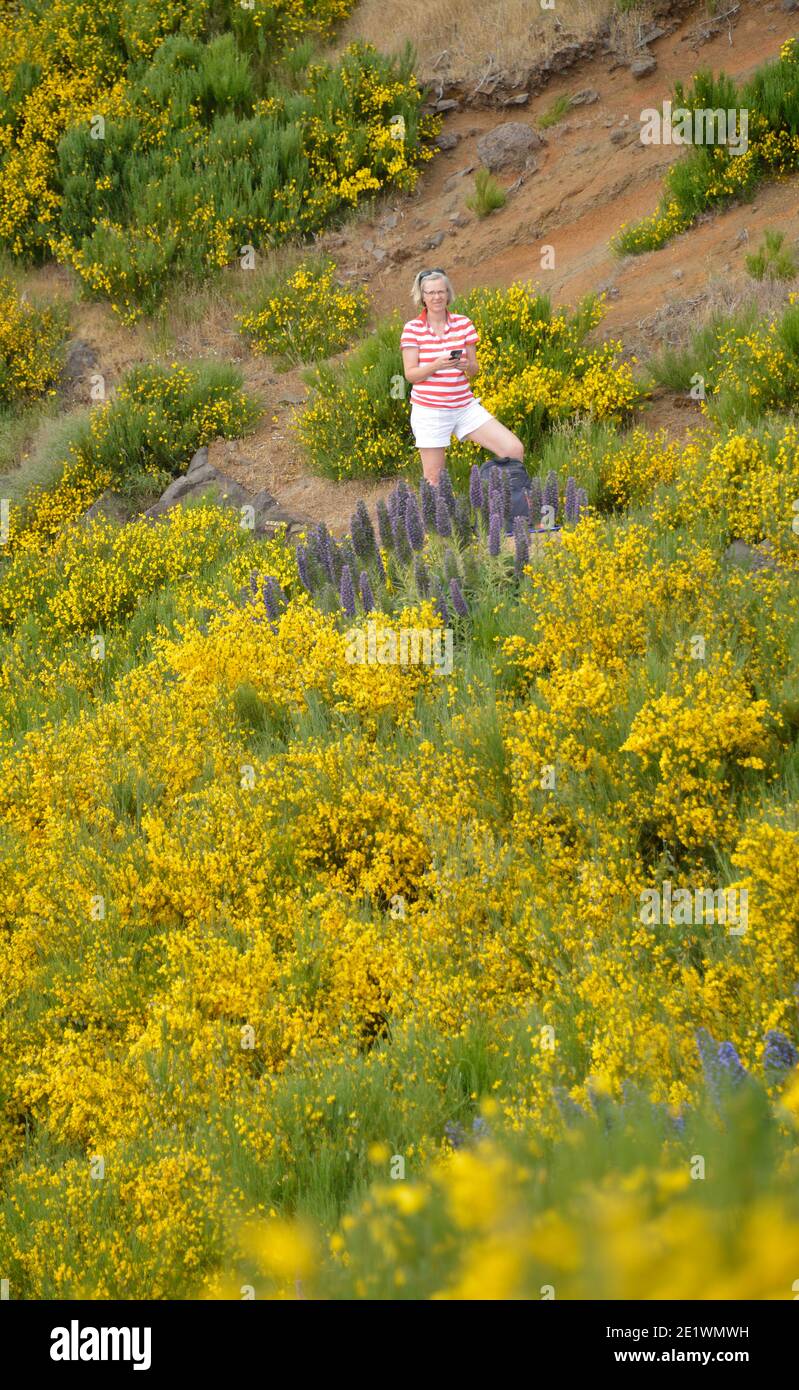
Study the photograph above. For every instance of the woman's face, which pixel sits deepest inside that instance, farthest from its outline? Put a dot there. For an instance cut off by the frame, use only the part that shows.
(434, 293)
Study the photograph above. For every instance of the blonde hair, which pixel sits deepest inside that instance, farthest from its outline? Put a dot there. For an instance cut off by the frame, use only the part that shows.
(416, 291)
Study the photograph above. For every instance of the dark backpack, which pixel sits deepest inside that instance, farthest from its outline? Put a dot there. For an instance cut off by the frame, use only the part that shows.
(518, 480)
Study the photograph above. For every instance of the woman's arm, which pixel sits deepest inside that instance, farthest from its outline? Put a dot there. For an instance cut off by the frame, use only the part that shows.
(414, 372)
(468, 363)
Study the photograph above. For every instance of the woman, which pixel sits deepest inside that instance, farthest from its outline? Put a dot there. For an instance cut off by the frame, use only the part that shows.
(442, 403)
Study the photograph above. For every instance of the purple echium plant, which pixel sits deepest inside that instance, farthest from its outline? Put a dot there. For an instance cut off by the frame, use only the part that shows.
(723, 1069)
(494, 533)
(443, 522)
(413, 523)
(428, 499)
(551, 491)
(401, 544)
(475, 488)
(440, 599)
(521, 537)
(362, 532)
(506, 500)
(463, 521)
(445, 490)
(274, 598)
(779, 1054)
(346, 592)
(367, 597)
(536, 501)
(421, 577)
(384, 526)
(458, 601)
(302, 567)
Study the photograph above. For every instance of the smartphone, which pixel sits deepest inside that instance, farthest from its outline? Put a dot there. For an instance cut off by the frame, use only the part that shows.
(455, 354)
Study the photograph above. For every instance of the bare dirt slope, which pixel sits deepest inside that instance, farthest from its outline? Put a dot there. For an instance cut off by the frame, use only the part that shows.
(593, 175)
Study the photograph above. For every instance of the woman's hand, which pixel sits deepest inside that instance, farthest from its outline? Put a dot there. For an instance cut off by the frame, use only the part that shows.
(443, 361)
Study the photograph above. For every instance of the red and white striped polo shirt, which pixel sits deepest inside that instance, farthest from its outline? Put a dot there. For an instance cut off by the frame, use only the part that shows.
(448, 387)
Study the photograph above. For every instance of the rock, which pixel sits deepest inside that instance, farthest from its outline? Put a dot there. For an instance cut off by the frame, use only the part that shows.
(389, 221)
(749, 556)
(643, 66)
(789, 6)
(447, 140)
(586, 97)
(679, 274)
(291, 398)
(433, 241)
(459, 219)
(201, 477)
(447, 104)
(618, 136)
(520, 99)
(420, 222)
(508, 145)
(80, 359)
(380, 253)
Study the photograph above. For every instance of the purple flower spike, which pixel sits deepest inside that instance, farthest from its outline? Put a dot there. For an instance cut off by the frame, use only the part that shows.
(445, 490)
(570, 506)
(380, 567)
(384, 526)
(421, 577)
(494, 533)
(536, 501)
(428, 496)
(324, 550)
(443, 523)
(779, 1055)
(551, 491)
(413, 523)
(475, 488)
(273, 594)
(520, 536)
(441, 599)
(346, 592)
(367, 597)
(458, 601)
(302, 567)
(732, 1068)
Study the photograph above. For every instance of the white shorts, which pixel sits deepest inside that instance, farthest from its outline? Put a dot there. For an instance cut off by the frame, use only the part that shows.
(433, 426)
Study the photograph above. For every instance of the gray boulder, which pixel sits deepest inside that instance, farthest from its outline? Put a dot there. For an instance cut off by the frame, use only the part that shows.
(509, 146)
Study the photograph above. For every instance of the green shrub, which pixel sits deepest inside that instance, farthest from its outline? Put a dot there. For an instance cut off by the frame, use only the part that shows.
(488, 195)
(773, 260)
(304, 316)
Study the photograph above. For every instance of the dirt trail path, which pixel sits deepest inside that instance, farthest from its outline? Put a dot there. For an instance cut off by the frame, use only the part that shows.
(586, 185)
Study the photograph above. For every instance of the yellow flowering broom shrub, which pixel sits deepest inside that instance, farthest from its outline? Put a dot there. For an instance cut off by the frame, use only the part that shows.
(30, 344)
(307, 318)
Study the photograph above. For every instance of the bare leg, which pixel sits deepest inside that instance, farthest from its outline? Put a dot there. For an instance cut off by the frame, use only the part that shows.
(501, 441)
(433, 461)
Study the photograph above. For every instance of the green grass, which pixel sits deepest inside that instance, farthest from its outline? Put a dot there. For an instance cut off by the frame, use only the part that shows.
(488, 195)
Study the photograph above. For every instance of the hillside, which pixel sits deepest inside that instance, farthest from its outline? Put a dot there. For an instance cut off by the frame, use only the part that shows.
(401, 881)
